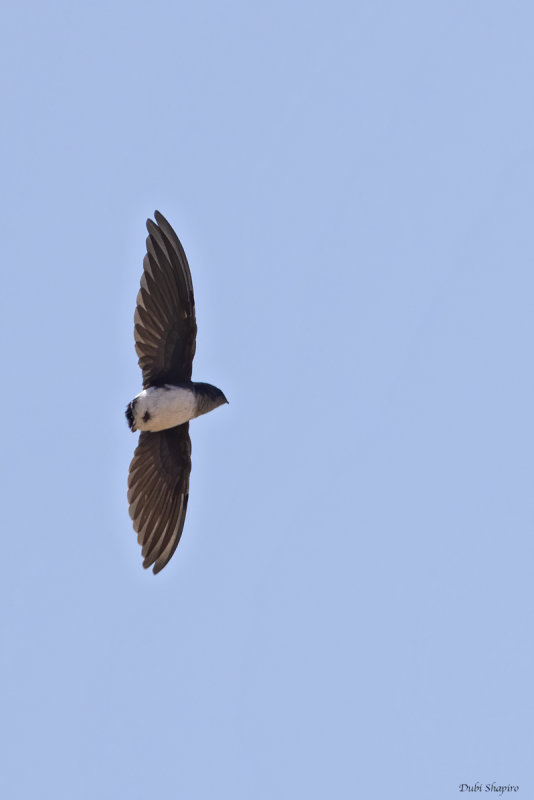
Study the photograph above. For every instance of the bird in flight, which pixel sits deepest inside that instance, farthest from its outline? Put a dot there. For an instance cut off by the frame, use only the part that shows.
(165, 339)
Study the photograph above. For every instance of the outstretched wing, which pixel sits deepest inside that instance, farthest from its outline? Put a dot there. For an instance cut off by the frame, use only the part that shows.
(158, 490)
(165, 327)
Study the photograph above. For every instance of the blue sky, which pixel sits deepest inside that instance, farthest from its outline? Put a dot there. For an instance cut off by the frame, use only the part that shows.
(349, 612)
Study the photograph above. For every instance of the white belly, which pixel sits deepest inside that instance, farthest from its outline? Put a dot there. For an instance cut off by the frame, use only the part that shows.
(162, 407)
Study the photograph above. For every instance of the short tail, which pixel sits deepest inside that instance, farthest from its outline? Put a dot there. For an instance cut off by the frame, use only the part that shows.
(130, 416)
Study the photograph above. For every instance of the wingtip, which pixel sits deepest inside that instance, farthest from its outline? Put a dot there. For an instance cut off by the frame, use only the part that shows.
(158, 216)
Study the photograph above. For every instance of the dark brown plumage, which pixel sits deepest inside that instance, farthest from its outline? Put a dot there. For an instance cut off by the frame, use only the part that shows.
(158, 491)
(165, 327)
(165, 339)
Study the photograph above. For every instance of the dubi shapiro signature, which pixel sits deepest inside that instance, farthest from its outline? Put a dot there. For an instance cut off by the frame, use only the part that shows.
(488, 787)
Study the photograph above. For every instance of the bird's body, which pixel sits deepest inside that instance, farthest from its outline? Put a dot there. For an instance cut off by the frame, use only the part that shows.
(161, 407)
(165, 334)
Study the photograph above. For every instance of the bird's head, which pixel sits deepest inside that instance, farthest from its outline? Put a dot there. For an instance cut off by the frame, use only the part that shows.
(208, 397)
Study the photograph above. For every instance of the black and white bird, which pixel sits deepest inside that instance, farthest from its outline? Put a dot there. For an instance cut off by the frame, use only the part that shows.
(165, 338)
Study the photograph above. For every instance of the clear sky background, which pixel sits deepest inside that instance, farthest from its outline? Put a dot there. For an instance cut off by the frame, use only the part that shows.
(349, 612)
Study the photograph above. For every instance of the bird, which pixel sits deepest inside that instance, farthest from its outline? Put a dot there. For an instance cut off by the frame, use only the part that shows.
(165, 331)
